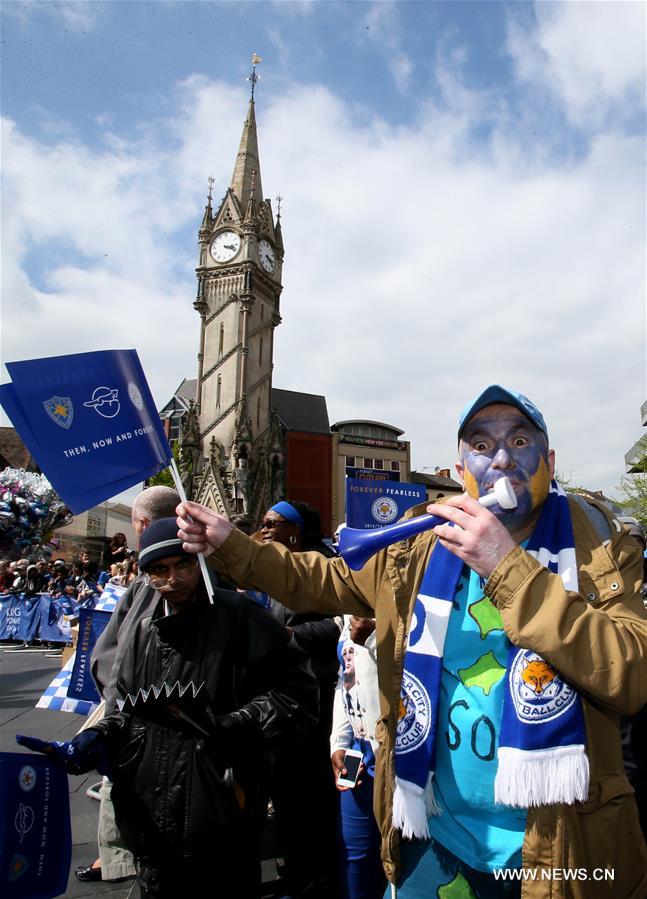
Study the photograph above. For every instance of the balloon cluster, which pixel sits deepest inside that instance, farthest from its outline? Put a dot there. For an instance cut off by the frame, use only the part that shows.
(30, 509)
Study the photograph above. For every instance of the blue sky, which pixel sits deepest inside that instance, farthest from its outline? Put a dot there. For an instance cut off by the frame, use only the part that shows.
(81, 60)
(463, 184)
(62, 55)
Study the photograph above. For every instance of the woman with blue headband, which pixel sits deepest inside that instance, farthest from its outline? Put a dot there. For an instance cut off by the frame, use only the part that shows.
(306, 820)
(283, 523)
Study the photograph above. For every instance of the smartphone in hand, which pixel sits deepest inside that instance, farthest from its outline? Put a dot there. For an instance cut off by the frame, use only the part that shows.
(352, 762)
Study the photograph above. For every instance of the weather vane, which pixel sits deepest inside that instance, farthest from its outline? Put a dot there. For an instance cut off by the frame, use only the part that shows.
(253, 77)
(279, 200)
(211, 181)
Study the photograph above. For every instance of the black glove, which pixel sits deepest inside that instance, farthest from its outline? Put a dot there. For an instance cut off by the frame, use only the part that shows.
(87, 751)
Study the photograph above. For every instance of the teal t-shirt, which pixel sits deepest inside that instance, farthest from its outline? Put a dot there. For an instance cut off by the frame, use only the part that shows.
(481, 833)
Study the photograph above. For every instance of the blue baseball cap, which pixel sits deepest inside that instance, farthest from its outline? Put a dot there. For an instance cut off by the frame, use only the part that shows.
(497, 394)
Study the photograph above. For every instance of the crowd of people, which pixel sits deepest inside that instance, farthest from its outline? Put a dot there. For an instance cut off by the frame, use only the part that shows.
(79, 580)
(480, 670)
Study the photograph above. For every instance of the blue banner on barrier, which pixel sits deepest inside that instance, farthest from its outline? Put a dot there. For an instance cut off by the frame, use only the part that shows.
(90, 422)
(52, 625)
(19, 617)
(35, 834)
(35, 617)
(29, 608)
(91, 625)
(10, 617)
(374, 504)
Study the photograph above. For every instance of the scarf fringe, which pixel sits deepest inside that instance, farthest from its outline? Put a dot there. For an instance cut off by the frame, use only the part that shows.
(412, 806)
(542, 776)
(431, 805)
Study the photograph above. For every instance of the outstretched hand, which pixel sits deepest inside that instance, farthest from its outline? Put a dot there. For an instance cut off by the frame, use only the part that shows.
(480, 539)
(201, 529)
(85, 752)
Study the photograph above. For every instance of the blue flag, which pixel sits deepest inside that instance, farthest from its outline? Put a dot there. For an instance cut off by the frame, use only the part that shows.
(91, 626)
(374, 504)
(35, 835)
(90, 422)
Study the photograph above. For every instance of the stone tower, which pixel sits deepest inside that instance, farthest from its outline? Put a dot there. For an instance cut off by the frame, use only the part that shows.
(235, 445)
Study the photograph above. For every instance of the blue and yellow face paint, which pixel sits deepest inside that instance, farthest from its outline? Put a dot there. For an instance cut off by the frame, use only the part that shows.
(499, 441)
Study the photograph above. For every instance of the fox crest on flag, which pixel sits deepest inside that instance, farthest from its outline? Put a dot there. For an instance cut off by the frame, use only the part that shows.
(90, 422)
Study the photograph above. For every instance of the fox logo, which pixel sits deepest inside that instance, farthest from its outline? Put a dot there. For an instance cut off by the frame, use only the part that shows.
(538, 675)
(538, 692)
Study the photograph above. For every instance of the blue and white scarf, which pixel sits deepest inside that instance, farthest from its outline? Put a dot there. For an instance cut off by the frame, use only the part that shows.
(541, 755)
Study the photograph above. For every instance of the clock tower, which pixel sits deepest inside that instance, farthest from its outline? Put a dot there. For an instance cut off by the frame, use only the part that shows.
(231, 438)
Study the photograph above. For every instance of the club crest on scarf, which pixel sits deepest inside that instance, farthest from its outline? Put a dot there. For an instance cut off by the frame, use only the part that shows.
(538, 693)
(414, 715)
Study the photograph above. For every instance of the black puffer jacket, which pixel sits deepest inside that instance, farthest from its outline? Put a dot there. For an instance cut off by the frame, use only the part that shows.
(177, 790)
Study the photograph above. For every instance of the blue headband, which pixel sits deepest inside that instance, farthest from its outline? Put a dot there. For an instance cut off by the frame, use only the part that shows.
(289, 512)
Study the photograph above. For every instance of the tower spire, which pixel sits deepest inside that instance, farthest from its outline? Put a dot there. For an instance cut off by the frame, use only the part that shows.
(247, 160)
(278, 232)
(253, 77)
(207, 219)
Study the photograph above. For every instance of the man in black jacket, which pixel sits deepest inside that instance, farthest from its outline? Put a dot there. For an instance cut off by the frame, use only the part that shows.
(206, 689)
(115, 861)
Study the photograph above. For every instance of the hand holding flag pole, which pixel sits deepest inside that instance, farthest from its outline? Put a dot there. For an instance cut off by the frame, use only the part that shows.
(179, 486)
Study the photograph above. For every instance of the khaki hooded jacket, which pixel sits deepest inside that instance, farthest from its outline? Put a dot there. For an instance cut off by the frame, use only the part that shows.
(596, 639)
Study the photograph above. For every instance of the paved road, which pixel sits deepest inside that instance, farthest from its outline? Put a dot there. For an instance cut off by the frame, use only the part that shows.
(24, 676)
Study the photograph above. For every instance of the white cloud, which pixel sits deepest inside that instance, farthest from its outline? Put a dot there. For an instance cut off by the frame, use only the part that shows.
(94, 220)
(382, 26)
(296, 7)
(78, 16)
(419, 268)
(590, 54)
(425, 275)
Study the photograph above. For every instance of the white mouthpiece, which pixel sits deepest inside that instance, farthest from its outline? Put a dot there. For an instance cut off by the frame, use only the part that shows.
(502, 493)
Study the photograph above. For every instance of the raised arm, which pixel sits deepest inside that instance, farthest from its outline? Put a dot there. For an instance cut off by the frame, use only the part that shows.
(305, 582)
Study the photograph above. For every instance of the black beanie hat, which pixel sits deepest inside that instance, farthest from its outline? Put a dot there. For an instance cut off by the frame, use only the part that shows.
(158, 541)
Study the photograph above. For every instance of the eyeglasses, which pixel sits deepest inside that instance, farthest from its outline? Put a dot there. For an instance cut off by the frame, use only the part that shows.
(158, 577)
(271, 523)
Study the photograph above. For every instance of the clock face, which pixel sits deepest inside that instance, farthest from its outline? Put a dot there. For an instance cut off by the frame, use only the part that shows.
(225, 246)
(267, 255)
